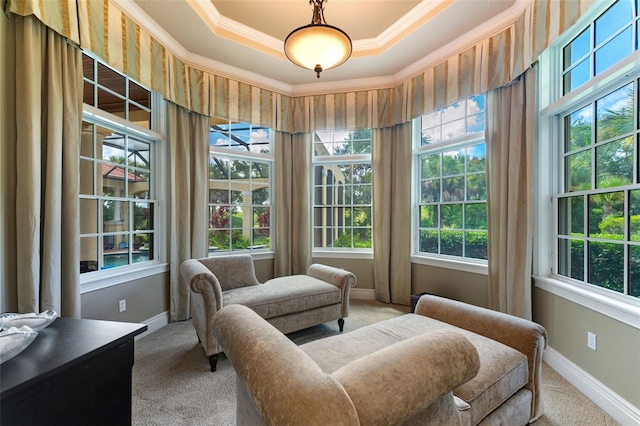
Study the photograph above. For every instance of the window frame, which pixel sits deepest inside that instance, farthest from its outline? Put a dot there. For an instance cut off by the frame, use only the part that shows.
(466, 264)
(228, 153)
(344, 159)
(553, 106)
(104, 278)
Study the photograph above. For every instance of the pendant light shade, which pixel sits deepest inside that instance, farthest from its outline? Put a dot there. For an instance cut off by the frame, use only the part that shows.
(318, 46)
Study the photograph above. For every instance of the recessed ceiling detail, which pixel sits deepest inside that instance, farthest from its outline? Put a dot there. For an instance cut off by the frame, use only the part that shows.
(245, 38)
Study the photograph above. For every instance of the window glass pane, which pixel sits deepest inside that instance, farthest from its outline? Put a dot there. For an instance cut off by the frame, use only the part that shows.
(140, 116)
(86, 140)
(88, 216)
(612, 20)
(219, 240)
(87, 177)
(453, 162)
(634, 271)
(430, 166)
(88, 254)
(576, 49)
(111, 79)
(431, 191)
(571, 258)
(138, 154)
(606, 265)
(475, 245)
(143, 216)
(614, 114)
(429, 216)
(578, 128)
(613, 51)
(430, 136)
(142, 248)
(606, 215)
(476, 158)
(451, 243)
(219, 196)
(453, 112)
(454, 129)
(451, 216)
(111, 103)
(578, 171)
(475, 123)
(614, 163)
(475, 216)
(138, 183)
(118, 255)
(431, 120)
(453, 189)
(429, 241)
(476, 187)
(139, 94)
(634, 215)
(111, 144)
(571, 216)
(576, 76)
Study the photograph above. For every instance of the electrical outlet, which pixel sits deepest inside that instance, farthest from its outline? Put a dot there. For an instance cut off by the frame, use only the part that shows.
(591, 340)
(122, 305)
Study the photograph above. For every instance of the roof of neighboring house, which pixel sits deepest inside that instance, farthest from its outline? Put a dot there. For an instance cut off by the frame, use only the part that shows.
(116, 172)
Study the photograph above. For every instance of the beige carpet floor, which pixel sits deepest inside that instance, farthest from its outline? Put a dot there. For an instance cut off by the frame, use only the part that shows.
(172, 384)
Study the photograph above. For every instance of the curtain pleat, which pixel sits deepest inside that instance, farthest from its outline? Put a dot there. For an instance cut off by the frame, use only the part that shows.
(510, 139)
(391, 220)
(48, 123)
(188, 138)
(292, 189)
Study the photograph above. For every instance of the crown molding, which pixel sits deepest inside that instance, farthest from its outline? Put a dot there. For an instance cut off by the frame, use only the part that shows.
(213, 18)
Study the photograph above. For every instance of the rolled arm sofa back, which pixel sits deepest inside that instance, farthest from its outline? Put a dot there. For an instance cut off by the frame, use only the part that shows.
(523, 335)
(286, 386)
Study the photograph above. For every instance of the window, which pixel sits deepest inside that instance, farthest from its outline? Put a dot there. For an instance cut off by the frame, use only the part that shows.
(598, 214)
(118, 205)
(342, 213)
(451, 181)
(608, 39)
(589, 165)
(240, 201)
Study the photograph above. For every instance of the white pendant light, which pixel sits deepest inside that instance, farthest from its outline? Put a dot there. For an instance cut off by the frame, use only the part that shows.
(318, 46)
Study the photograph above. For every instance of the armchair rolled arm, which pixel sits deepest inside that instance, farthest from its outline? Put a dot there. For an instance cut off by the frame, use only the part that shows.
(387, 391)
(523, 335)
(202, 281)
(342, 279)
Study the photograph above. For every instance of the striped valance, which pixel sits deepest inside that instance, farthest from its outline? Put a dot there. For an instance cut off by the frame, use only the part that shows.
(106, 31)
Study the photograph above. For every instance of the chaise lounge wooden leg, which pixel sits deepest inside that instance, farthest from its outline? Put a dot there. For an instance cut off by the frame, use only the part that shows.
(213, 361)
(341, 324)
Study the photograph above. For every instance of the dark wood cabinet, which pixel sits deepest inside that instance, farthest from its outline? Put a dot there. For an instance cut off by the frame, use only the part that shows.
(76, 372)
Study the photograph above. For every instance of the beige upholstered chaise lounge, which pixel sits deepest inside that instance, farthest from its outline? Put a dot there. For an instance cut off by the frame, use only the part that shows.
(289, 303)
(448, 364)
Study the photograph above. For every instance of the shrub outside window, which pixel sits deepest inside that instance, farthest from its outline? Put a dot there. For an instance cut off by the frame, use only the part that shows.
(342, 210)
(451, 183)
(240, 200)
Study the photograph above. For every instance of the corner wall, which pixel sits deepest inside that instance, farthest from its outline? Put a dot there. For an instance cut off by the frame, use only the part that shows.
(615, 362)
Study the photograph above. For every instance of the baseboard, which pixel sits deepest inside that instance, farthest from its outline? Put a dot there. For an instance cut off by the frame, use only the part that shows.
(616, 406)
(155, 323)
(362, 294)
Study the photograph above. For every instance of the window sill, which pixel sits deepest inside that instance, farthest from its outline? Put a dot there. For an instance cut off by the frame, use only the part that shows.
(458, 265)
(343, 253)
(108, 278)
(625, 311)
